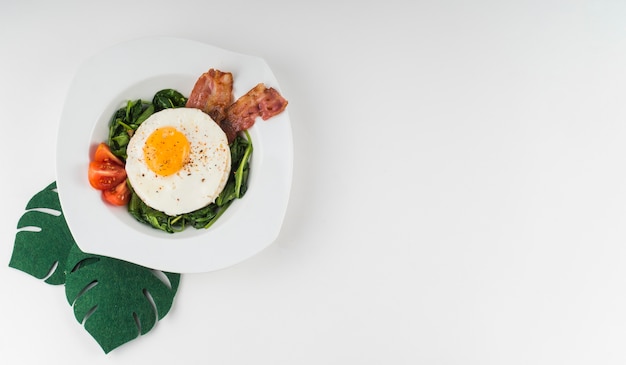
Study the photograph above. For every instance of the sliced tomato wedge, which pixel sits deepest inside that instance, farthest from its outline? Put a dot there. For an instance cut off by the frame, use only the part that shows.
(105, 175)
(103, 153)
(119, 195)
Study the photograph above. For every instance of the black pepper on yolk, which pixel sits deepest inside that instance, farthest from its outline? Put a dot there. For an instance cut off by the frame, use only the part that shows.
(166, 151)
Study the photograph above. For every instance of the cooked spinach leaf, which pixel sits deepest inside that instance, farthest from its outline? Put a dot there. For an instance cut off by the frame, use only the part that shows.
(168, 98)
(124, 123)
(237, 184)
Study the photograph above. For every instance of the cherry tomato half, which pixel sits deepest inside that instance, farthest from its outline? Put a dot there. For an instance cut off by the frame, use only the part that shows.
(104, 175)
(119, 195)
(103, 153)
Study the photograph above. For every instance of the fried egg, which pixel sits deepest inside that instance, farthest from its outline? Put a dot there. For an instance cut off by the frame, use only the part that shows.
(178, 160)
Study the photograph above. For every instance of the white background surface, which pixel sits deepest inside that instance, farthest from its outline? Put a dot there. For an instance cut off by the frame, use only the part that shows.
(458, 192)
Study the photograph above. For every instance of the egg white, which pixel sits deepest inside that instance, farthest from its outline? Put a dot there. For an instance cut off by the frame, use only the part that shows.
(200, 180)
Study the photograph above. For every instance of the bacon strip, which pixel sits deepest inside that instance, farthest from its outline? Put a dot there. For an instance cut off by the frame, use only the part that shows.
(212, 93)
(260, 101)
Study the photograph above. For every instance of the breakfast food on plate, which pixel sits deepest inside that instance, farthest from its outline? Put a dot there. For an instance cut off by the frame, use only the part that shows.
(107, 173)
(180, 161)
(260, 101)
(212, 93)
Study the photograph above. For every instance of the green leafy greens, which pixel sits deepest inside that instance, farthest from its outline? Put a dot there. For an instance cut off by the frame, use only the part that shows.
(168, 98)
(122, 126)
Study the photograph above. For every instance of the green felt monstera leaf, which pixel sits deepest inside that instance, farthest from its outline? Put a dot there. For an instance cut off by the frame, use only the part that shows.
(117, 301)
(43, 240)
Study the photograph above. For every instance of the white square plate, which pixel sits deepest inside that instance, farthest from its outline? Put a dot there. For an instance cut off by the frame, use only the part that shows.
(137, 70)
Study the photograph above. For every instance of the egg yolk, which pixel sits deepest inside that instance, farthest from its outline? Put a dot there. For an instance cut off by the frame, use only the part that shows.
(166, 151)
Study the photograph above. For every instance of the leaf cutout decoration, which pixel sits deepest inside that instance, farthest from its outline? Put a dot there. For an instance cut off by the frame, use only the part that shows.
(117, 301)
(43, 240)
